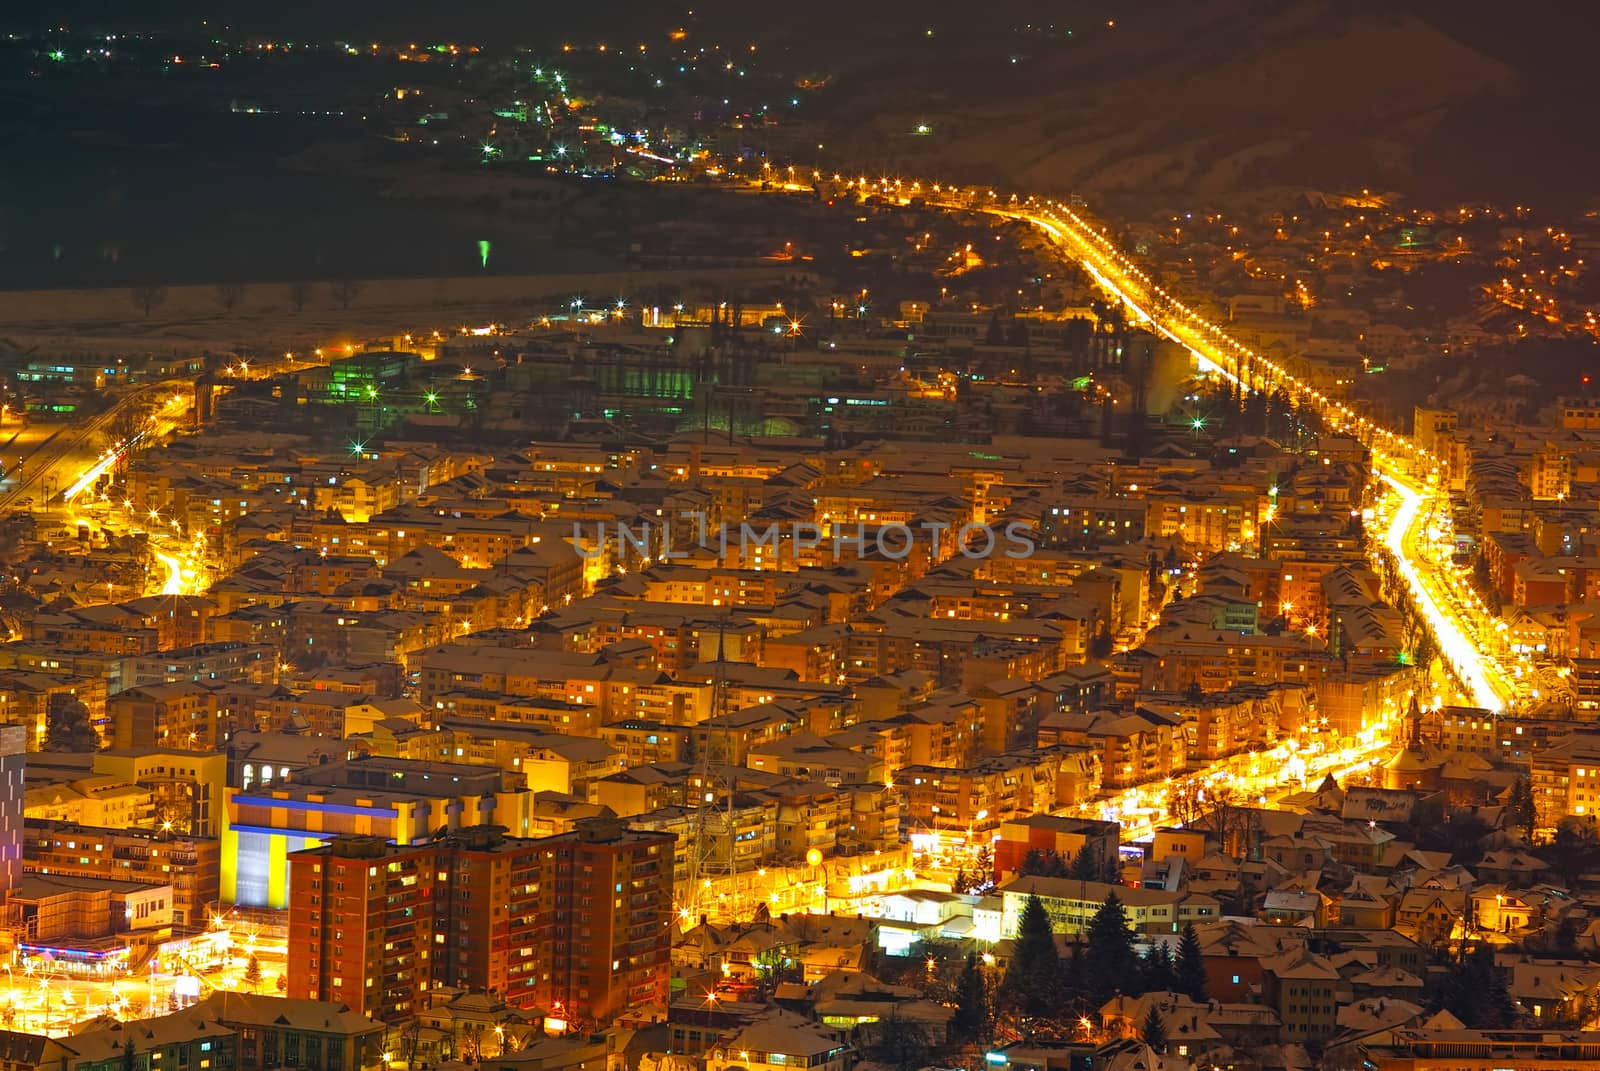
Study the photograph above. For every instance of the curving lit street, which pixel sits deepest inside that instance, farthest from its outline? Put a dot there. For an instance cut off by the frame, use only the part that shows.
(1481, 678)
(1410, 472)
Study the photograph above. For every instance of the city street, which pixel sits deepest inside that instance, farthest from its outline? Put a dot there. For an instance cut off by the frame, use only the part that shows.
(61, 468)
(1412, 473)
(41, 996)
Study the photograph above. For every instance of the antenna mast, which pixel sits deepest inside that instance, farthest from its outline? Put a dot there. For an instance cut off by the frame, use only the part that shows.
(701, 862)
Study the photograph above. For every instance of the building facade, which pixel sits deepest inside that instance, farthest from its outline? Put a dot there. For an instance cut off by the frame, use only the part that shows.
(576, 924)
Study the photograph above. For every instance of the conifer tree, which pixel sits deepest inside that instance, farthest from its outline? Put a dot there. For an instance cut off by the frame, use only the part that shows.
(972, 1020)
(1155, 1031)
(1157, 970)
(1189, 969)
(1031, 984)
(1111, 963)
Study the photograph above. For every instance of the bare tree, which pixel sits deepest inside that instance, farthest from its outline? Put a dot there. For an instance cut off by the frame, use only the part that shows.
(411, 1041)
(69, 727)
(130, 420)
(229, 295)
(1236, 823)
(471, 1042)
(344, 291)
(149, 297)
(1185, 801)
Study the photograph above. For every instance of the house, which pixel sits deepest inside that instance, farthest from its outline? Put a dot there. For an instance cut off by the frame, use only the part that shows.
(1495, 908)
(781, 1042)
(1514, 867)
(1430, 914)
(1305, 989)
(278, 1031)
(1295, 907)
(187, 1039)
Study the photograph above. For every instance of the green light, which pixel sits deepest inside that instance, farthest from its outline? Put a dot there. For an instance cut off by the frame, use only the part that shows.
(358, 448)
(58, 55)
(483, 252)
(433, 399)
(1198, 423)
(372, 392)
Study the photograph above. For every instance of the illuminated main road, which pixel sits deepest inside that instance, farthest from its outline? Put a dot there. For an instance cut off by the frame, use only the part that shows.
(1411, 473)
(59, 476)
(1480, 676)
(59, 462)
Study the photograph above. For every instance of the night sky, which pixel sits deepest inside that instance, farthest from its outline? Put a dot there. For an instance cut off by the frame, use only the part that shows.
(1526, 35)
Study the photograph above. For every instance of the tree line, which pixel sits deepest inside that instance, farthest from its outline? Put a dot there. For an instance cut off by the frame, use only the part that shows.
(1043, 992)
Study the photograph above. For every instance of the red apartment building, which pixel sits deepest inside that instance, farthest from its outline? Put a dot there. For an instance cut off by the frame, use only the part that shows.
(574, 924)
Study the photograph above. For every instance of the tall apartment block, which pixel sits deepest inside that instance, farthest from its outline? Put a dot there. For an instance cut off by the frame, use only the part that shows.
(361, 925)
(608, 938)
(575, 924)
(13, 762)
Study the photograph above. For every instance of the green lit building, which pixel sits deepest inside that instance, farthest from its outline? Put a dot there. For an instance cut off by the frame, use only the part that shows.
(376, 385)
(360, 377)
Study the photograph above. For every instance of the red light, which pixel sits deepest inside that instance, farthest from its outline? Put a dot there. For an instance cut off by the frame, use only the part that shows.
(1586, 379)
